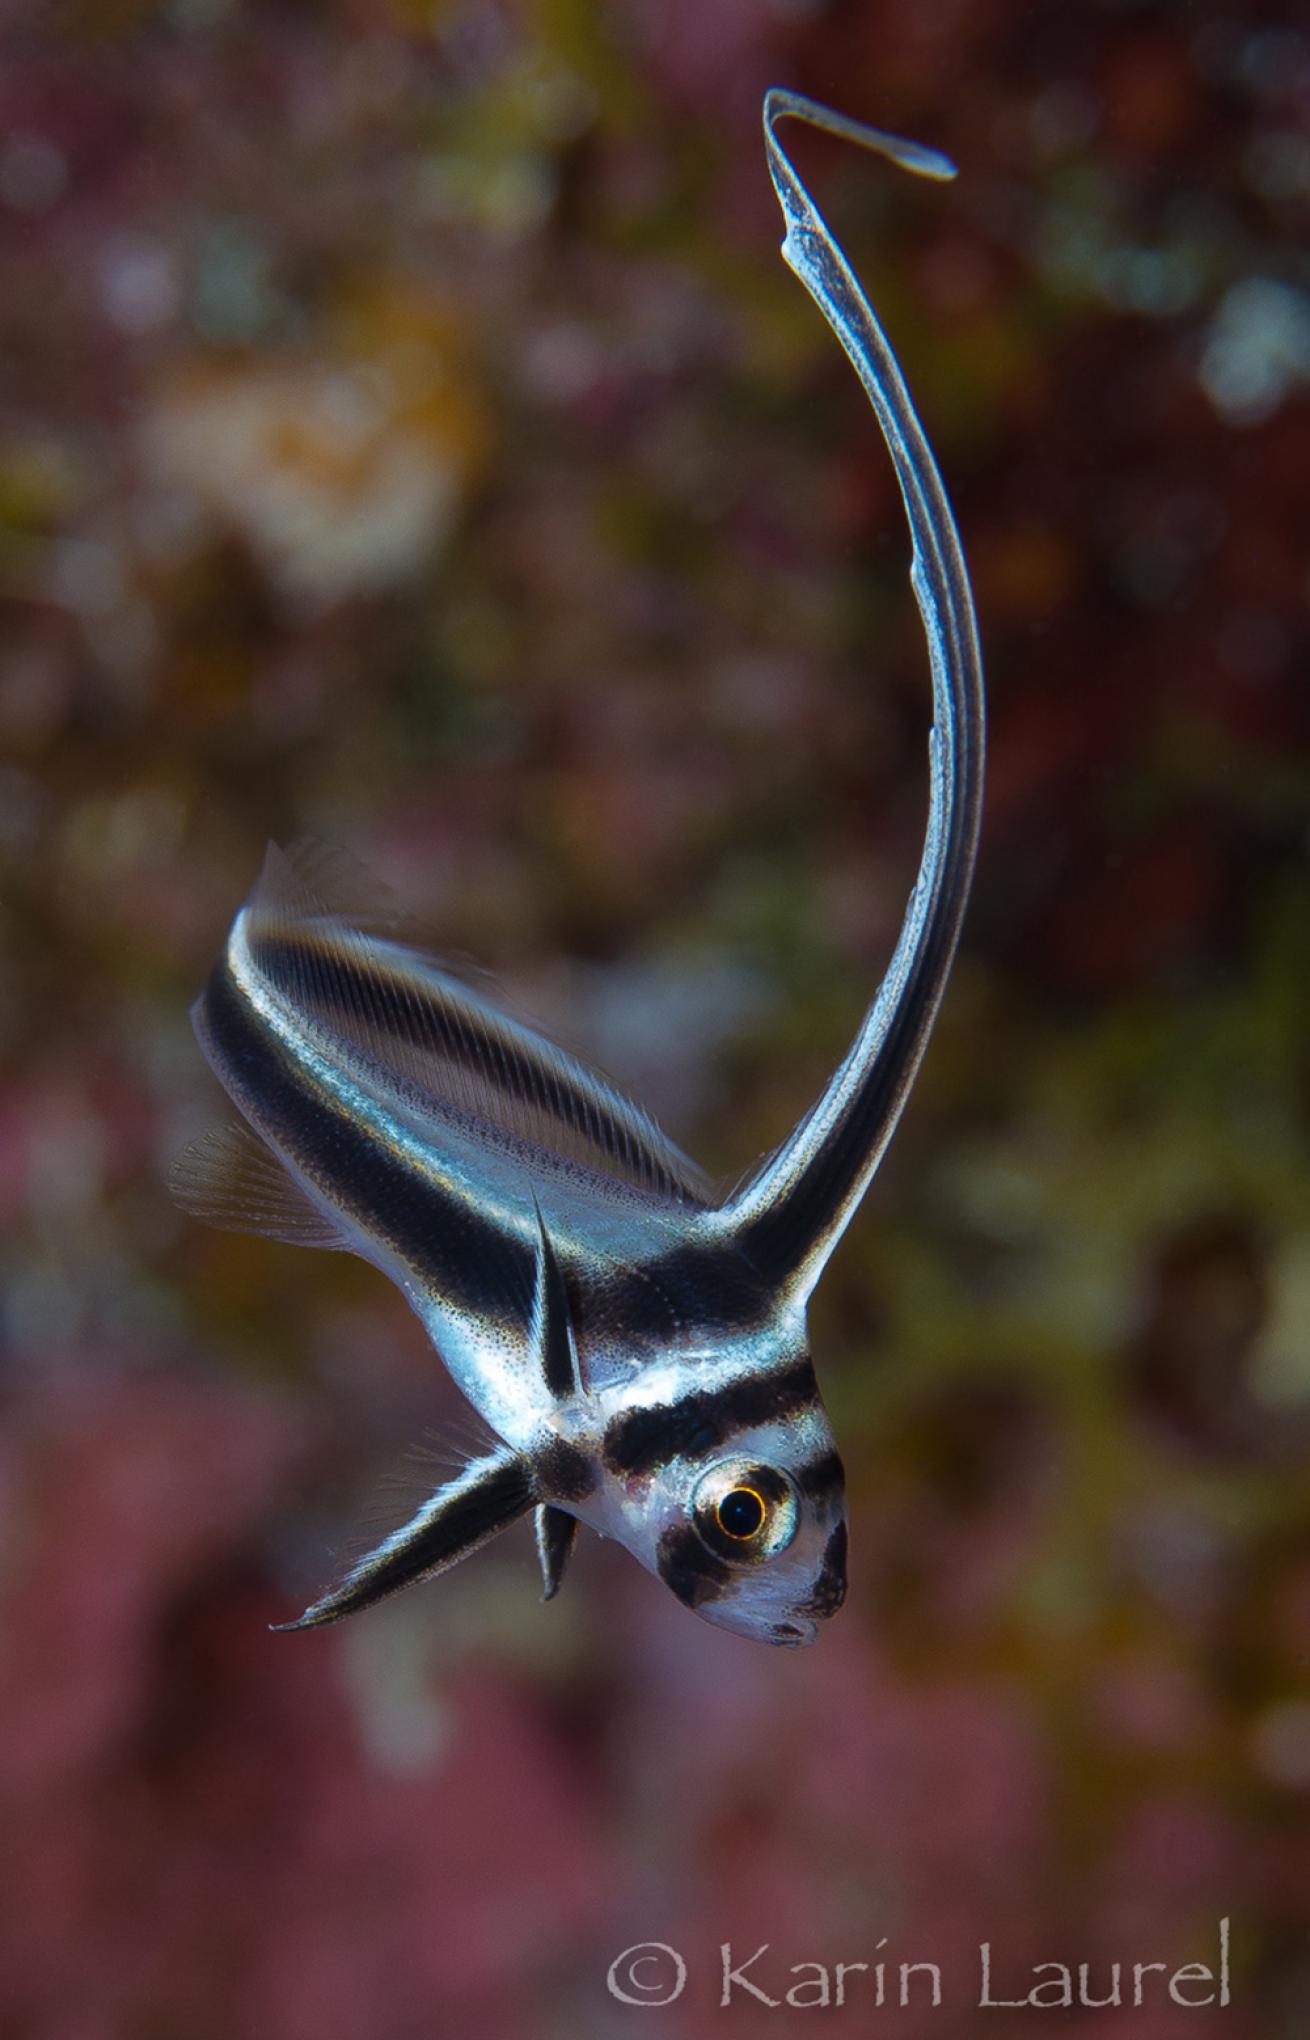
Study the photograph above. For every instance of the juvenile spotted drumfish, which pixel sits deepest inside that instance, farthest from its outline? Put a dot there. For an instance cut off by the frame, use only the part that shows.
(635, 1346)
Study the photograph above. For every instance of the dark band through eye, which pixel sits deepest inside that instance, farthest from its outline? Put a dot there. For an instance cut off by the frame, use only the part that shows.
(741, 1513)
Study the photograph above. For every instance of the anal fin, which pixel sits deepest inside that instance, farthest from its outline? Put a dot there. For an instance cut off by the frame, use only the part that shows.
(557, 1533)
(231, 1180)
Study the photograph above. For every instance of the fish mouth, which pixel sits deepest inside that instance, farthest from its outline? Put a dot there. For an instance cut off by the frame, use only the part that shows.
(793, 1635)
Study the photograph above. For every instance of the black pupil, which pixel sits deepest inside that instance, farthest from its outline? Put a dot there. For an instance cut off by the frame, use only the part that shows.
(741, 1512)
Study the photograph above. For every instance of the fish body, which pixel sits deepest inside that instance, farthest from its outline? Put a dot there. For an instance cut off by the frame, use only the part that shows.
(635, 1345)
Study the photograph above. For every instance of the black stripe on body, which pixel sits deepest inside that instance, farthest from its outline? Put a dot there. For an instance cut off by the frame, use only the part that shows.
(563, 1472)
(376, 1003)
(466, 1259)
(708, 1283)
(641, 1441)
(829, 1589)
(694, 1574)
(821, 1478)
(808, 1214)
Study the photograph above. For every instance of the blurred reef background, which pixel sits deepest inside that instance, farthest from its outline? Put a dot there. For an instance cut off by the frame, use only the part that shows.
(411, 436)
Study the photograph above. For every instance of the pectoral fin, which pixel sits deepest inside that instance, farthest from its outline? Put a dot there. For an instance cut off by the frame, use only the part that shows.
(557, 1533)
(490, 1494)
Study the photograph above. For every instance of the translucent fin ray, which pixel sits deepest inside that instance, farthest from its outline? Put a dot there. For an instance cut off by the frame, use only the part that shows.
(412, 1019)
(230, 1179)
(313, 878)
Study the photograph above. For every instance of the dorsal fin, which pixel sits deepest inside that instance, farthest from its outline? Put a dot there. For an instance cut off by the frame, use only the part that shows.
(791, 1212)
(231, 1180)
(451, 1045)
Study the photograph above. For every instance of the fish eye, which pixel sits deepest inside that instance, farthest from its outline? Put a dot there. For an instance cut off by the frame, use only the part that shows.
(744, 1511)
(741, 1513)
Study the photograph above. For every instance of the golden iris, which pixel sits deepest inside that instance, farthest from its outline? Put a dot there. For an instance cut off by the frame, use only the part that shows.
(745, 1511)
(741, 1513)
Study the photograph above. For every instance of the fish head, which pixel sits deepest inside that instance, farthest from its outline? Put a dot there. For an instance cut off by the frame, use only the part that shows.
(747, 1529)
(755, 1548)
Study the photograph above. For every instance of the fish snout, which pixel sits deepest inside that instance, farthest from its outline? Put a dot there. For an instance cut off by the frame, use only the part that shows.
(829, 1590)
(794, 1635)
